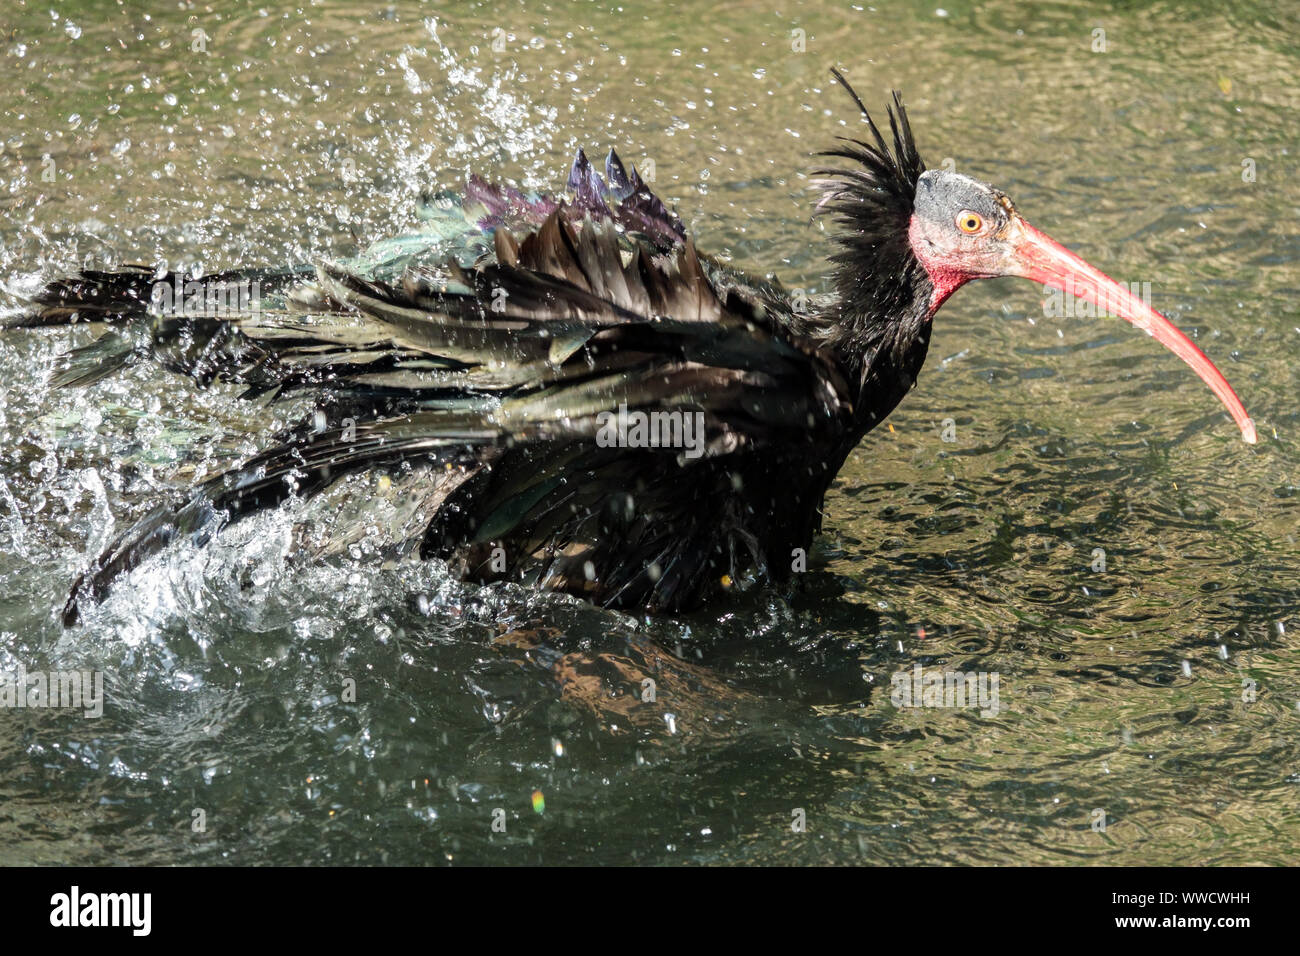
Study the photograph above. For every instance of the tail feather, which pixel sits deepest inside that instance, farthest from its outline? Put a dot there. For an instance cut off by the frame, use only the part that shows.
(92, 295)
(95, 295)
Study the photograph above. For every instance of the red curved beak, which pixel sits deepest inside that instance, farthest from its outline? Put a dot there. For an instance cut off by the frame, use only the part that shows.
(1038, 257)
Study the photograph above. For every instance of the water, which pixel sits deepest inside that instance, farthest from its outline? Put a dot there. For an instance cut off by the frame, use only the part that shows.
(262, 709)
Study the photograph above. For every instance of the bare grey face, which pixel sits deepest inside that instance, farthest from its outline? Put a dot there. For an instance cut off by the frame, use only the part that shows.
(960, 224)
(941, 195)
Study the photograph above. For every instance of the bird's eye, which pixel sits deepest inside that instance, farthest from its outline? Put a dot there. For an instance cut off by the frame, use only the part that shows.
(970, 222)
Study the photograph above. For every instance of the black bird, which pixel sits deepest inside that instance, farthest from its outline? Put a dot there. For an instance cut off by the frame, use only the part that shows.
(510, 350)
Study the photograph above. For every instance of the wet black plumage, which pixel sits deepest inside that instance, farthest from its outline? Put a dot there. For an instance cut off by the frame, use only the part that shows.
(489, 369)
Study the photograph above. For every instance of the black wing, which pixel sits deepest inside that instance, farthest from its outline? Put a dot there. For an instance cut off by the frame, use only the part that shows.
(505, 375)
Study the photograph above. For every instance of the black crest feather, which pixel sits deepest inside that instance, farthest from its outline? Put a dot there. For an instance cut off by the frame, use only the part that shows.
(882, 290)
(885, 178)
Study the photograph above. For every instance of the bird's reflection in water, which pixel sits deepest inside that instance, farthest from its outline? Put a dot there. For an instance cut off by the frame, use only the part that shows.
(638, 687)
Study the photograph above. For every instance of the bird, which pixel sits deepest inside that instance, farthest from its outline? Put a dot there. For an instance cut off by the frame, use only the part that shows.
(583, 401)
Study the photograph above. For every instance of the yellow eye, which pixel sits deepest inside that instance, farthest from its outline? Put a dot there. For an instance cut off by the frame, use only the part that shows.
(970, 222)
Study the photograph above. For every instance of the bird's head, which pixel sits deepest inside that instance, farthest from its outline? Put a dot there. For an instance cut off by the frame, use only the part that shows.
(927, 233)
(960, 229)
